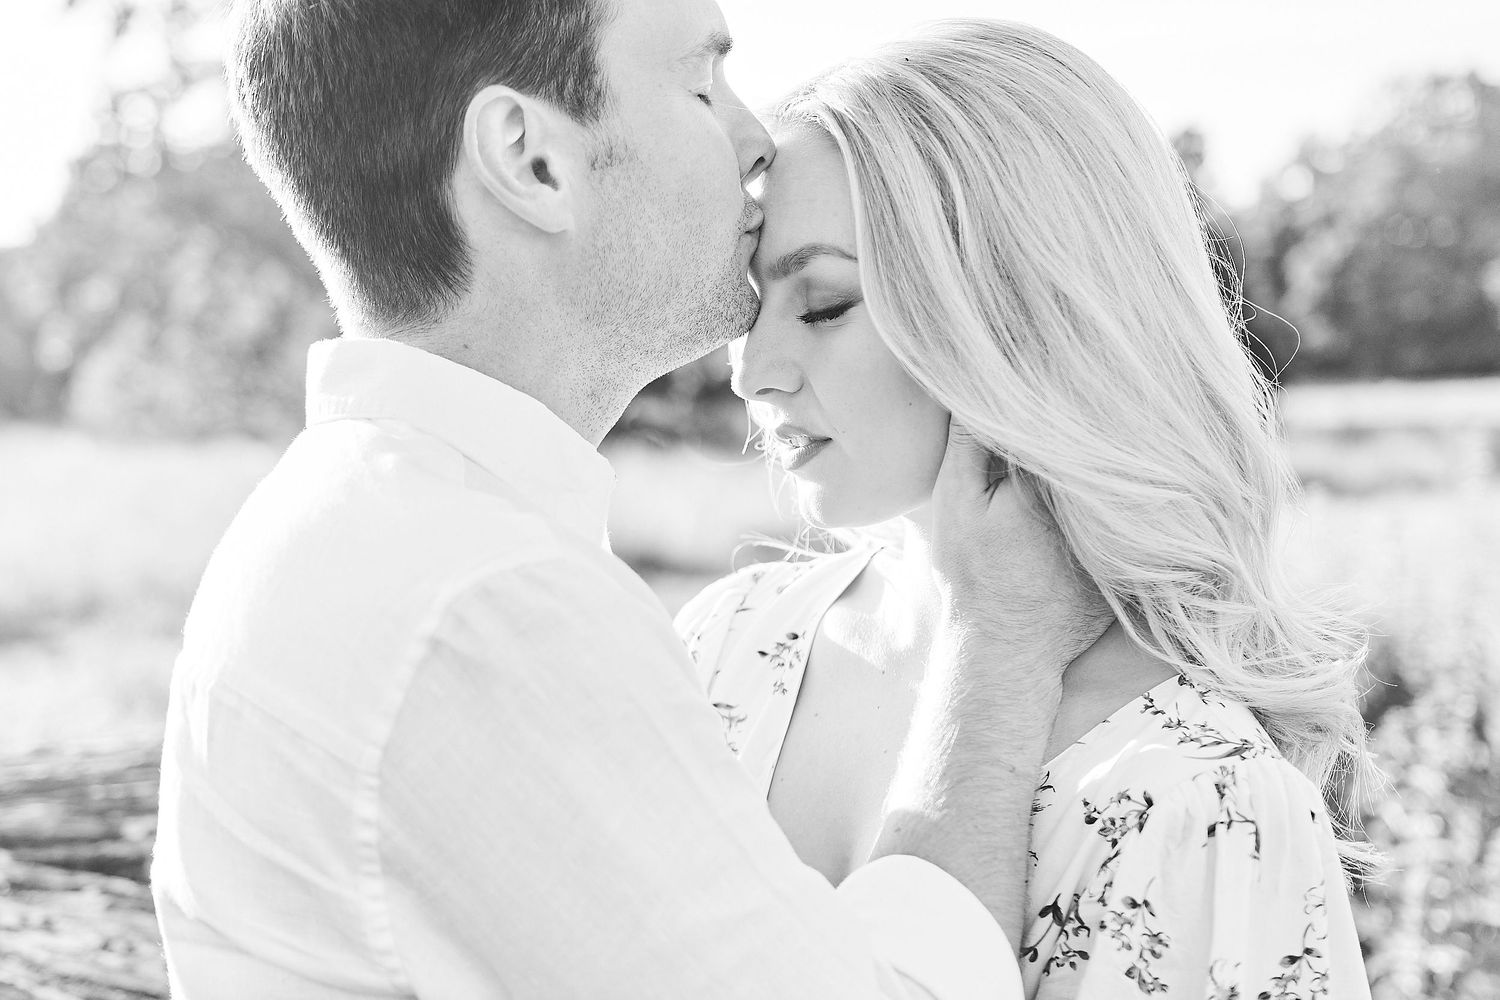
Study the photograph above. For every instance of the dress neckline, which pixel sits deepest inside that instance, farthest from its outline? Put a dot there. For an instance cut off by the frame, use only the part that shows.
(842, 570)
(854, 569)
(1162, 693)
(1176, 685)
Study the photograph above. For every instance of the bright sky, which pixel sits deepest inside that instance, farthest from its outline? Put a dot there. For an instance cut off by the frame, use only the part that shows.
(1254, 78)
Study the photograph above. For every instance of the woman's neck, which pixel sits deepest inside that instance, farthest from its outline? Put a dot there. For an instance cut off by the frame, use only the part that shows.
(900, 607)
(906, 605)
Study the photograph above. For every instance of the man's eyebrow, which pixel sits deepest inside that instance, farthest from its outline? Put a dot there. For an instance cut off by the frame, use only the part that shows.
(793, 261)
(715, 46)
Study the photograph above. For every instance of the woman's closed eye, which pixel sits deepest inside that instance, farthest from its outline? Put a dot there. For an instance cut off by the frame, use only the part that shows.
(828, 313)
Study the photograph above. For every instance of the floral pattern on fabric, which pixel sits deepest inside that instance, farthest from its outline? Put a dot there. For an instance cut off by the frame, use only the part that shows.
(784, 657)
(1069, 947)
(1227, 788)
(1174, 851)
(1222, 980)
(1133, 926)
(1310, 962)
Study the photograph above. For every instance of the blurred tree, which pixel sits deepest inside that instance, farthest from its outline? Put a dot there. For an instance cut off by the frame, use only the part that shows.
(692, 405)
(166, 294)
(1226, 248)
(1385, 250)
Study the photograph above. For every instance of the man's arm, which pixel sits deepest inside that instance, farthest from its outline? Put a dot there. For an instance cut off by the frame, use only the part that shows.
(1017, 611)
(558, 816)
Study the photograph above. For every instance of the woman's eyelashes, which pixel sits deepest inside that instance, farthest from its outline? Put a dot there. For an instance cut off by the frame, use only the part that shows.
(828, 313)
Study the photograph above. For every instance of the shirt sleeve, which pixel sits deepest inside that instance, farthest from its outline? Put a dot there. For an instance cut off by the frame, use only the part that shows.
(1228, 886)
(558, 816)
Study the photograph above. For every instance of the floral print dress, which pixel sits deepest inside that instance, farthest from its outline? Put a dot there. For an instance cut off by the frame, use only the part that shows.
(1175, 852)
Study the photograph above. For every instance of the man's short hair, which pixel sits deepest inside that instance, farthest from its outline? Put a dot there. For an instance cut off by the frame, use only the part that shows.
(352, 112)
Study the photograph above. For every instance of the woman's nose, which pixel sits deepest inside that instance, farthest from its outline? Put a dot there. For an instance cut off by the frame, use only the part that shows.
(761, 363)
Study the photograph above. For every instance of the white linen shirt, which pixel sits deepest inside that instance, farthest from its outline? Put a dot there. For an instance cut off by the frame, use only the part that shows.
(428, 738)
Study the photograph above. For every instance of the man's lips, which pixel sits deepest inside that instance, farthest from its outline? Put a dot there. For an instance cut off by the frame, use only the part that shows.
(753, 222)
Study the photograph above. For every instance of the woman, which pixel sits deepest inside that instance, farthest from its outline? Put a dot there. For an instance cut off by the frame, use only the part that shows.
(978, 222)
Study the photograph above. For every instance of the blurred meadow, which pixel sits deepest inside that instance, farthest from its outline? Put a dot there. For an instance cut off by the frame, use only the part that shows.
(103, 539)
(152, 336)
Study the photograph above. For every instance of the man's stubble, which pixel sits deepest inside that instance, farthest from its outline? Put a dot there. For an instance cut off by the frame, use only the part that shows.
(671, 286)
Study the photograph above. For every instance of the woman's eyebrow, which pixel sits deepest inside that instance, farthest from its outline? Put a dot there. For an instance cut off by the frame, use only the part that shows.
(793, 261)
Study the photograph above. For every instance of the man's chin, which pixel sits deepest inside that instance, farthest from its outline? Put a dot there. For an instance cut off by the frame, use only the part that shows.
(730, 314)
(719, 312)
(748, 309)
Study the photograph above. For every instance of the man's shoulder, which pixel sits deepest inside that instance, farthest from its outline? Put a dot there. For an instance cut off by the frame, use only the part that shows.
(554, 575)
(341, 562)
(373, 502)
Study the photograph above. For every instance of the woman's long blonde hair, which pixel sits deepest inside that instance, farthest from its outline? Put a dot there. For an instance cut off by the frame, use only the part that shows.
(1030, 251)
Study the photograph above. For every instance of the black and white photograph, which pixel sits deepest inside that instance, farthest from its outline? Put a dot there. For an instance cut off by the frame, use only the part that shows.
(796, 499)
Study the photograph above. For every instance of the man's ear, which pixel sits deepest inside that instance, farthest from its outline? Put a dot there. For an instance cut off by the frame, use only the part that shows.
(520, 149)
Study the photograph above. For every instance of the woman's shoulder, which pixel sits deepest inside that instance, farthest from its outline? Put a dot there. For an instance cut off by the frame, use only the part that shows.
(1177, 720)
(1179, 750)
(1175, 843)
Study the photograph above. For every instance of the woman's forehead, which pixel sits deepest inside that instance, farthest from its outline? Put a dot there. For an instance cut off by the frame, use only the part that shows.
(808, 177)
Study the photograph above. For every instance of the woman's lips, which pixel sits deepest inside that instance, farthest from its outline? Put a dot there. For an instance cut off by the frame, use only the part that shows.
(794, 457)
(795, 447)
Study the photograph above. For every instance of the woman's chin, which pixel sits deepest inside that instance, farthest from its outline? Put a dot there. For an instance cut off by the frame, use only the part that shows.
(832, 510)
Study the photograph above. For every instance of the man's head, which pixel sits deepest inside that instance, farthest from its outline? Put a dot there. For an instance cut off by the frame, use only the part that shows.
(443, 157)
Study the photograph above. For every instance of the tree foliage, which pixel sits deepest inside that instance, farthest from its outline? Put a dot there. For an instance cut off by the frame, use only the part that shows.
(1384, 251)
(167, 295)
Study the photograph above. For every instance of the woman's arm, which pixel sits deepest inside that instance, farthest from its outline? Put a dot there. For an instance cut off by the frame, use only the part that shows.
(1225, 885)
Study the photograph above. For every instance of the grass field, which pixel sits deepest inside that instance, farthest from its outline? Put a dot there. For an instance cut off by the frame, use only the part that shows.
(101, 544)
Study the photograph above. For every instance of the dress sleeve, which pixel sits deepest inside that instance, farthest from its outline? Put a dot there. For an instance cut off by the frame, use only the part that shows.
(1229, 885)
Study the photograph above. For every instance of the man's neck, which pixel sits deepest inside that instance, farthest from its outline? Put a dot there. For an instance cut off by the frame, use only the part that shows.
(585, 392)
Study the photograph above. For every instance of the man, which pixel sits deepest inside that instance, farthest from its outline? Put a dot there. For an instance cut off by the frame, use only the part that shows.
(427, 737)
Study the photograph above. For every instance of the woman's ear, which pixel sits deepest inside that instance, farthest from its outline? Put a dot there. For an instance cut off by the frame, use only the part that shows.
(518, 148)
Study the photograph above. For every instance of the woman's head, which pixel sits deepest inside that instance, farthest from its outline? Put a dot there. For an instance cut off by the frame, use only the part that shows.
(860, 438)
(1027, 249)
(1029, 255)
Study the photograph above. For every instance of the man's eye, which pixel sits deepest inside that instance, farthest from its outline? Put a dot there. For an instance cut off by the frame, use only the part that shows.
(831, 312)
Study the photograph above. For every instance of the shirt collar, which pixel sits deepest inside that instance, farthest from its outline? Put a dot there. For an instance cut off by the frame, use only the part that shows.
(506, 432)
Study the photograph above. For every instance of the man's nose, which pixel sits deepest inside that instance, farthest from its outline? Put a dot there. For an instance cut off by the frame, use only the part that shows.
(753, 146)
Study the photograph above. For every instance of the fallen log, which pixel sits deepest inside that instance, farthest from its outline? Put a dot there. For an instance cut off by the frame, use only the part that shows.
(76, 921)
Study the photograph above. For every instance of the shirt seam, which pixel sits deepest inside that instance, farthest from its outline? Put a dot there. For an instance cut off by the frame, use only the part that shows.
(379, 920)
